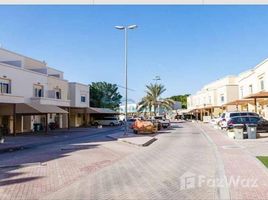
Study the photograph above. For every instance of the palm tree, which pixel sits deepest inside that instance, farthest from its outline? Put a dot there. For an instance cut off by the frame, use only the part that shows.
(152, 99)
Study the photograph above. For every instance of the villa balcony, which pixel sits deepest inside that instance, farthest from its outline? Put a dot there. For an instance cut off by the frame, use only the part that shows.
(10, 98)
(51, 101)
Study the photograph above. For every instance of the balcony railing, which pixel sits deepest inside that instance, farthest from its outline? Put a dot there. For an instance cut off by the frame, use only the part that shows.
(10, 98)
(51, 101)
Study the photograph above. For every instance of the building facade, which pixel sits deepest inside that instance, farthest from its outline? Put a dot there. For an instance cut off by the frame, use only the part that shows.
(253, 86)
(33, 93)
(79, 96)
(211, 99)
(245, 92)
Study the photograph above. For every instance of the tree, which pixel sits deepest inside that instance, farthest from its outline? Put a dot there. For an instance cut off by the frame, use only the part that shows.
(152, 99)
(104, 95)
(182, 99)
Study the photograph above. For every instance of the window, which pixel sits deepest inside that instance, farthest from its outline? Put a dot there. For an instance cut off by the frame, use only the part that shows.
(245, 120)
(254, 120)
(222, 98)
(209, 99)
(58, 93)
(38, 91)
(234, 114)
(83, 99)
(261, 84)
(241, 92)
(5, 86)
(250, 89)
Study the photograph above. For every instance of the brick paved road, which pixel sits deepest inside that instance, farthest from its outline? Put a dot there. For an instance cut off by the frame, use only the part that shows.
(22, 176)
(154, 172)
(98, 168)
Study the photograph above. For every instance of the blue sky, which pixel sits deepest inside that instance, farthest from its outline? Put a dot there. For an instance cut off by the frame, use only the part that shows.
(187, 46)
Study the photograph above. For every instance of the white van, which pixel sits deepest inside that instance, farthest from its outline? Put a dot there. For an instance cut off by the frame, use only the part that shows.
(106, 121)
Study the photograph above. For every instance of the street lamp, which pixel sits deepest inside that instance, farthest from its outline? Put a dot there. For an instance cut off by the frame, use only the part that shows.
(125, 28)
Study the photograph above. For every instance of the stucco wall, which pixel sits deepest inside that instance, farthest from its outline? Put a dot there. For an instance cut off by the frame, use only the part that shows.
(76, 90)
(22, 81)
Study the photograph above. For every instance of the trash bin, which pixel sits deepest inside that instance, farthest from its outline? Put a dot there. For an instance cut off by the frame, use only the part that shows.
(239, 131)
(1, 135)
(37, 127)
(252, 131)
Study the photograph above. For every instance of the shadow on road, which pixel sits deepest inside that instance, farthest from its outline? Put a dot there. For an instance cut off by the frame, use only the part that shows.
(40, 154)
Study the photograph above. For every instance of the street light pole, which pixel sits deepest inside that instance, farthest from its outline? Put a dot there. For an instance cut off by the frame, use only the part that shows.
(125, 28)
(126, 81)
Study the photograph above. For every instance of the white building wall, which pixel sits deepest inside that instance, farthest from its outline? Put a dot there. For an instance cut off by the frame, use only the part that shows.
(252, 78)
(22, 82)
(24, 73)
(216, 93)
(76, 90)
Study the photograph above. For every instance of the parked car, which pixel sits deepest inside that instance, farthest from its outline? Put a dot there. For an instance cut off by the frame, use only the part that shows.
(130, 122)
(106, 121)
(262, 124)
(144, 127)
(215, 120)
(165, 123)
(228, 115)
(121, 122)
(156, 123)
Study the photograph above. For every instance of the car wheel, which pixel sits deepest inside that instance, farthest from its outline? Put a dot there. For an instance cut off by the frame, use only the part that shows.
(96, 124)
(112, 124)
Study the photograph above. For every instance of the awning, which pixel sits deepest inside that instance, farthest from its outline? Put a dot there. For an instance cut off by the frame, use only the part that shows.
(203, 108)
(239, 102)
(261, 94)
(210, 107)
(194, 110)
(92, 110)
(34, 108)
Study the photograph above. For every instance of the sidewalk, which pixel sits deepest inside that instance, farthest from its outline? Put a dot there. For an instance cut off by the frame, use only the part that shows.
(20, 142)
(239, 164)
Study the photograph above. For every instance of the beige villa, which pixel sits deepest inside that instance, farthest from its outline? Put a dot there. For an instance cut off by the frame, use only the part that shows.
(210, 100)
(244, 92)
(33, 93)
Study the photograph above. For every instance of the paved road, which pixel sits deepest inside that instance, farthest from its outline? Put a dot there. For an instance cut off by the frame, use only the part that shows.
(45, 168)
(155, 172)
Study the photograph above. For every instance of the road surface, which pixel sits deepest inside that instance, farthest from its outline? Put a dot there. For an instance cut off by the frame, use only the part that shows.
(160, 171)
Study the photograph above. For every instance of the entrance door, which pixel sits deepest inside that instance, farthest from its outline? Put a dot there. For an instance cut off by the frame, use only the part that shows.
(6, 123)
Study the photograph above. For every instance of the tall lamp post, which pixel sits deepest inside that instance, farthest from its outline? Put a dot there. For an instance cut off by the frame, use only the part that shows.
(125, 28)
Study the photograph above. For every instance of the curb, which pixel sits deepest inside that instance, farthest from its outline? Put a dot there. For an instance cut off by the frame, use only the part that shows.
(142, 145)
